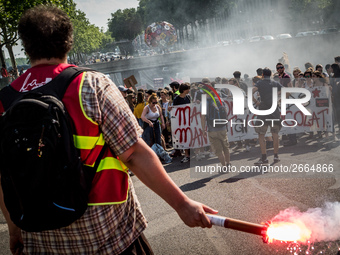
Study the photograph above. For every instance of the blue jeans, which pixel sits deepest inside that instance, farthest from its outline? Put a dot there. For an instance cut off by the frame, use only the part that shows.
(140, 122)
(152, 135)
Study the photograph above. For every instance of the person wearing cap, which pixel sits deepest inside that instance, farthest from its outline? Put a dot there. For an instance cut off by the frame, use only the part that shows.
(175, 87)
(123, 90)
(148, 93)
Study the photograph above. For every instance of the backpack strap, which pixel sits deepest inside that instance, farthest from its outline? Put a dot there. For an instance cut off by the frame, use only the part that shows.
(57, 87)
(7, 96)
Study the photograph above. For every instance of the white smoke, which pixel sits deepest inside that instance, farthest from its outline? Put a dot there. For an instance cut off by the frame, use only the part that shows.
(323, 222)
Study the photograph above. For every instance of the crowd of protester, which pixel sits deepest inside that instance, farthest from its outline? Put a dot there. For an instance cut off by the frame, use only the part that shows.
(153, 108)
(105, 58)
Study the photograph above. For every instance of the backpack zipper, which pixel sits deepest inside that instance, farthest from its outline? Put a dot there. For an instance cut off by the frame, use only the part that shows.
(41, 142)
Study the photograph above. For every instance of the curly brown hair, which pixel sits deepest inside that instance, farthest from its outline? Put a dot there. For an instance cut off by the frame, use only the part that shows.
(46, 32)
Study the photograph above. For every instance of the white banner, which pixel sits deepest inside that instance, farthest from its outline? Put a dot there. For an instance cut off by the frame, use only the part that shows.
(186, 122)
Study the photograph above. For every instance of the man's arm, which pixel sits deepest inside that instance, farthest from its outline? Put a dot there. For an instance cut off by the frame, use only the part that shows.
(121, 132)
(155, 177)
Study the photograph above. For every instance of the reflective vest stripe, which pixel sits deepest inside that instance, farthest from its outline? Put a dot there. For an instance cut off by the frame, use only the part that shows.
(88, 142)
(110, 184)
(81, 103)
(111, 163)
(108, 203)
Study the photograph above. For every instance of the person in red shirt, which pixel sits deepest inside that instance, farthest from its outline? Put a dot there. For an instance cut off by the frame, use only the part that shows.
(4, 72)
(97, 110)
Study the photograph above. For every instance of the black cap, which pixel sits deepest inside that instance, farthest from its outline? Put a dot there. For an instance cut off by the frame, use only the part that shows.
(174, 84)
(122, 88)
(150, 91)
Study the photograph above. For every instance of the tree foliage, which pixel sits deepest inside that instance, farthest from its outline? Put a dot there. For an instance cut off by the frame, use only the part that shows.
(324, 12)
(11, 12)
(87, 37)
(125, 24)
(178, 12)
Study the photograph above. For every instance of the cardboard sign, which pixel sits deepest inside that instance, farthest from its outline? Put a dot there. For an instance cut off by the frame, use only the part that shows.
(130, 81)
(158, 83)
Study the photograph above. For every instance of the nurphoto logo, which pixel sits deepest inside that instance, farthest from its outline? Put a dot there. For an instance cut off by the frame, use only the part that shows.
(238, 107)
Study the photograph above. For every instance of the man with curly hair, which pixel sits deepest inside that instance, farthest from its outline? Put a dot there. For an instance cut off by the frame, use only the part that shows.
(113, 222)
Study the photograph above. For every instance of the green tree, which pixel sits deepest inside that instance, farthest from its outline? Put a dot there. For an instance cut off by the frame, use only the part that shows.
(87, 37)
(124, 26)
(309, 13)
(107, 42)
(11, 12)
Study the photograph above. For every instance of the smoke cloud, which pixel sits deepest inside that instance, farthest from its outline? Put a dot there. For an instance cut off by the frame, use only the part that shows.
(323, 222)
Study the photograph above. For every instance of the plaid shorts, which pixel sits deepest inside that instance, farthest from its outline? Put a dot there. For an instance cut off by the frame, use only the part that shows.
(107, 229)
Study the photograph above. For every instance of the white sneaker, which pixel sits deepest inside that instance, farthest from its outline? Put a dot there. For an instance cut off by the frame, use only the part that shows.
(247, 148)
(185, 159)
(212, 155)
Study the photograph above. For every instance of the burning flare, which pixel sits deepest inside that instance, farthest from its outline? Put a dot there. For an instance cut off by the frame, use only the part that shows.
(288, 232)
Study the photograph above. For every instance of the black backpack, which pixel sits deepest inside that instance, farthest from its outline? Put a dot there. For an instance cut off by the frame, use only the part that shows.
(216, 112)
(44, 182)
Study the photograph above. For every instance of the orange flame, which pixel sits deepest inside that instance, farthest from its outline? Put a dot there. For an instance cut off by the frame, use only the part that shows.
(288, 232)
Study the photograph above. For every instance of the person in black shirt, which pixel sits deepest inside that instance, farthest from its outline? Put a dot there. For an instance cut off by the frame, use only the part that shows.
(237, 76)
(265, 89)
(183, 98)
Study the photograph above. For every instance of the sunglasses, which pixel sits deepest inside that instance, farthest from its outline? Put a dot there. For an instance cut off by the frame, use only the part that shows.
(307, 76)
(154, 103)
(279, 67)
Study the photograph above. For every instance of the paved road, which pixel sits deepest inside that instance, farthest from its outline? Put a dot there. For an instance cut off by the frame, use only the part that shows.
(250, 197)
(245, 197)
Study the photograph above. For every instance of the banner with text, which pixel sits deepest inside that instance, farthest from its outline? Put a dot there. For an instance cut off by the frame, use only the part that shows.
(186, 121)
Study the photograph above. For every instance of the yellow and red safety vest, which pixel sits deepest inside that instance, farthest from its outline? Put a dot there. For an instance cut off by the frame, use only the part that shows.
(110, 183)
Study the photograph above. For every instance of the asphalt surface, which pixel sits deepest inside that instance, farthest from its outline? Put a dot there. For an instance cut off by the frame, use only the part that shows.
(253, 197)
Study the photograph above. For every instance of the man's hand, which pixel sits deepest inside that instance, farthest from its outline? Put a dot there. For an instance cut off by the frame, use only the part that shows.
(156, 178)
(193, 214)
(16, 244)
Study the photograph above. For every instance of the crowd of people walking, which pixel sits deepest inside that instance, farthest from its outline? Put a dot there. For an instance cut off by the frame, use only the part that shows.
(153, 108)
